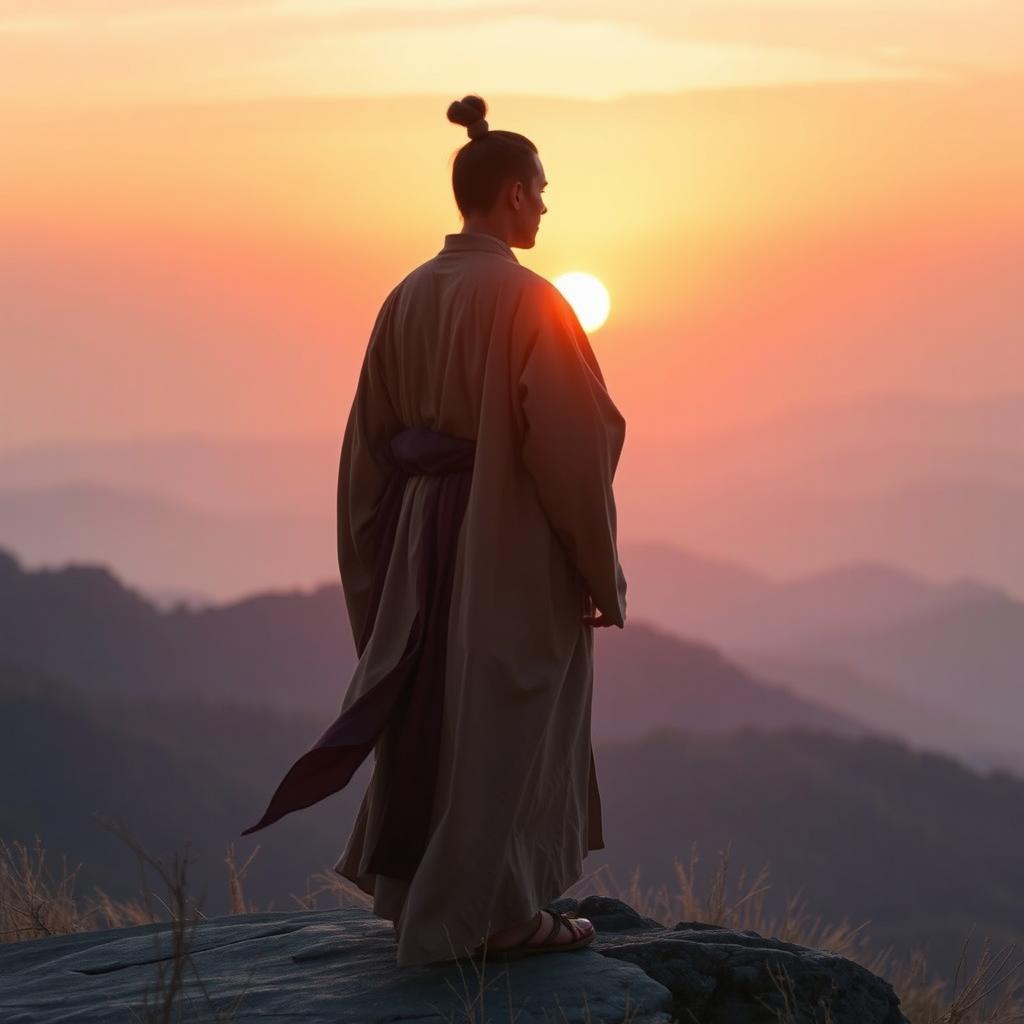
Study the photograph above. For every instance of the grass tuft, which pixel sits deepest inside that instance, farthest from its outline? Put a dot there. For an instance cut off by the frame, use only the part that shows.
(35, 904)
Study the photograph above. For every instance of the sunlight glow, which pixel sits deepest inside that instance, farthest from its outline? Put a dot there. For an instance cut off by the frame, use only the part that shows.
(587, 296)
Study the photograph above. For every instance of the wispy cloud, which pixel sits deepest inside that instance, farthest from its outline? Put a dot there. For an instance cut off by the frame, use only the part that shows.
(597, 59)
(159, 49)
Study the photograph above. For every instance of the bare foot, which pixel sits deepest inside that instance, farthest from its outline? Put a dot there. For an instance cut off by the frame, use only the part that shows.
(538, 933)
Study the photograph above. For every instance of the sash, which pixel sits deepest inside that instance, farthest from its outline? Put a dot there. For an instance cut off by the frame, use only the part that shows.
(402, 713)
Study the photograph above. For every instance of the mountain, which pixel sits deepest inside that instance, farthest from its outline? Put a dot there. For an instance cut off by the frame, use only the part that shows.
(965, 659)
(167, 543)
(885, 707)
(294, 651)
(290, 650)
(920, 481)
(932, 662)
(165, 598)
(860, 443)
(936, 527)
(168, 770)
(688, 593)
(926, 483)
(646, 679)
(859, 827)
(810, 638)
(233, 476)
(852, 445)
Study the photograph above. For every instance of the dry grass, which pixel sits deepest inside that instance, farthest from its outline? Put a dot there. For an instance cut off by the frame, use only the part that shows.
(34, 904)
(993, 993)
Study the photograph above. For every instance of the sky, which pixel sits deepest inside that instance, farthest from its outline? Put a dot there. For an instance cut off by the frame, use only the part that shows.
(202, 206)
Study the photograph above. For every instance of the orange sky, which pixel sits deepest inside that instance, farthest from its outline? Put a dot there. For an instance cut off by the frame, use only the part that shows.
(786, 201)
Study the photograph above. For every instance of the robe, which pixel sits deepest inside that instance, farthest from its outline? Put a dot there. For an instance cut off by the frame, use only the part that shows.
(473, 345)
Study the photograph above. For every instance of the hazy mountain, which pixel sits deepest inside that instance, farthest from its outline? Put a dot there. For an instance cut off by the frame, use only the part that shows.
(928, 484)
(169, 544)
(670, 588)
(645, 679)
(168, 770)
(685, 592)
(229, 476)
(862, 640)
(884, 707)
(914, 842)
(922, 482)
(165, 598)
(851, 446)
(872, 440)
(938, 528)
(294, 651)
(965, 658)
(851, 825)
(290, 650)
(163, 546)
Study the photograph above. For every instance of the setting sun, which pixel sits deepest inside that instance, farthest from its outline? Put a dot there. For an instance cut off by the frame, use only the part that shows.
(587, 296)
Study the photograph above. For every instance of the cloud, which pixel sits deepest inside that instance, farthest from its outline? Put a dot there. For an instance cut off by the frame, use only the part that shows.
(594, 59)
(78, 51)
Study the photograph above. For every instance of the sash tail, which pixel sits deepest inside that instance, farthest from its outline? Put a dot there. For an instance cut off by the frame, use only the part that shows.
(402, 713)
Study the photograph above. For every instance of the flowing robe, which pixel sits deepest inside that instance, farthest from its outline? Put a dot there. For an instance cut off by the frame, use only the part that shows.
(474, 345)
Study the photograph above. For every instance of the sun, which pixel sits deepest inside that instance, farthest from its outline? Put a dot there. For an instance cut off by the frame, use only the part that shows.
(587, 296)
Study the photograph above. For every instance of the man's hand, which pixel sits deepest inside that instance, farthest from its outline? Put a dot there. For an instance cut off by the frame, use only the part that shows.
(593, 617)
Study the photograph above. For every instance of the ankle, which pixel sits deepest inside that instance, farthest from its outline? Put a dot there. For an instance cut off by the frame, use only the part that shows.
(516, 932)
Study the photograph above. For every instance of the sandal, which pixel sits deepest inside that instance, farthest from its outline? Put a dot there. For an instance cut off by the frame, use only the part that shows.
(581, 938)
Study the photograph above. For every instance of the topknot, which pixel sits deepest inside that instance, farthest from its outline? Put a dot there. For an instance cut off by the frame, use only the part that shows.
(469, 112)
(479, 172)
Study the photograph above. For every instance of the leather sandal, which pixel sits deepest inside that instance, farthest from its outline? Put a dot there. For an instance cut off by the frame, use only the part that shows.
(581, 938)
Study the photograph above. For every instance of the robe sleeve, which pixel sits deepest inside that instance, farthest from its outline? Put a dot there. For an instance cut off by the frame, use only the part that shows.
(572, 438)
(364, 472)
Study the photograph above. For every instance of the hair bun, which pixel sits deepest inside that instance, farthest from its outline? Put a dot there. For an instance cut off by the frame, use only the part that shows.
(469, 112)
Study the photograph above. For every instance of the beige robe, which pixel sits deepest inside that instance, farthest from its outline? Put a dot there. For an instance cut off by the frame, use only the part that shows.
(474, 344)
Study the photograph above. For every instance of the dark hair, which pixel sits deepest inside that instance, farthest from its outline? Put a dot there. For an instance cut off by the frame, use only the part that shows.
(488, 160)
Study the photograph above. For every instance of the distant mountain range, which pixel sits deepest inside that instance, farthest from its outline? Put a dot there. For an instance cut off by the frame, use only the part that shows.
(169, 545)
(293, 651)
(812, 636)
(937, 663)
(967, 659)
(168, 769)
(683, 591)
(647, 679)
(927, 484)
(289, 650)
(859, 828)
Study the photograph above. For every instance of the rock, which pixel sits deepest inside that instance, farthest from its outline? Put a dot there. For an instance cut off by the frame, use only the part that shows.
(719, 976)
(337, 966)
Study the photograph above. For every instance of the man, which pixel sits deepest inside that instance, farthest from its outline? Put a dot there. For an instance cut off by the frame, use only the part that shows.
(476, 534)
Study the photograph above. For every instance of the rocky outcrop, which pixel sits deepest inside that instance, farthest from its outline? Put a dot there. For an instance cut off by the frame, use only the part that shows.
(337, 966)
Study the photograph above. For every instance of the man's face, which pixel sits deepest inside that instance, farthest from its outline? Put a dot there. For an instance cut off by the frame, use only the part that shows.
(531, 206)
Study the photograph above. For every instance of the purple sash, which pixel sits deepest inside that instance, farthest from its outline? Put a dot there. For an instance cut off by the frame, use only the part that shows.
(402, 714)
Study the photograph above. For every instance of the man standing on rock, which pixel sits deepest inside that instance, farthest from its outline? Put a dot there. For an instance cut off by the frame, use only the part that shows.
(477, 549)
